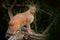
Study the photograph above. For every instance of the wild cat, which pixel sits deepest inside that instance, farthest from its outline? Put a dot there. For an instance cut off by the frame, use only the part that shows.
(21, 19)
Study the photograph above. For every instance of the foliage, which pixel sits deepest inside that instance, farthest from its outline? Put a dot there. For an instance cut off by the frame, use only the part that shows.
(41, 21)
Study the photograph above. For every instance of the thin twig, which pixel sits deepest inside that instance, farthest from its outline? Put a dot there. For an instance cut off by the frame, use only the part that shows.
(3, 5)
(49, 26)
(13, 4)
(38, 35)
(45, 12)
(20, 5)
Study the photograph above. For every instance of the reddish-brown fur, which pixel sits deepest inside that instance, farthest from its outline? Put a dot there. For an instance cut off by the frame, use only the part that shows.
(22, 19)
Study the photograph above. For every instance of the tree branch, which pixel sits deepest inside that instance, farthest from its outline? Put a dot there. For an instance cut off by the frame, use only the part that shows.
(45, 12)
(3, 5)
(24, 35)
(13, 4)
(9, 9)
(10, 13)
(47, 29)
(20, 5)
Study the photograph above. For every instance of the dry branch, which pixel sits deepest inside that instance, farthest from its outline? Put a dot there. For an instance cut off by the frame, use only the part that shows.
(13, 4)
(3, 5)
(9, 8)
(23, 35)
(45, 12)
(49, 26)
(10, 13)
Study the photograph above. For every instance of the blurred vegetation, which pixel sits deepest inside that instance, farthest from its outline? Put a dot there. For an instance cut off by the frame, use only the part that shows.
(41, 21)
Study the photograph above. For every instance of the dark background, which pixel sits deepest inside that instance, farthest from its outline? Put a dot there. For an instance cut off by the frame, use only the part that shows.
(42, 20)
